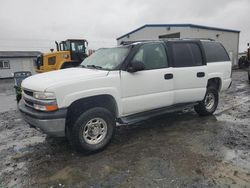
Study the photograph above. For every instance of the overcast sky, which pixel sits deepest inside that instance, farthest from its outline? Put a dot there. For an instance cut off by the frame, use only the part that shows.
(36, 24)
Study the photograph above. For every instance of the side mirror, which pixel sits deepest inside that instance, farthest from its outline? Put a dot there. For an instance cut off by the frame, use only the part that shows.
(136, 66)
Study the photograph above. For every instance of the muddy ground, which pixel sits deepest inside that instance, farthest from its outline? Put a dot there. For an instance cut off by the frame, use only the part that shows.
(175, 150)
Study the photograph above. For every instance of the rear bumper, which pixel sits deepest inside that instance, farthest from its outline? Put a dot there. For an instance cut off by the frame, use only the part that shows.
(51, 123)
(226, 83)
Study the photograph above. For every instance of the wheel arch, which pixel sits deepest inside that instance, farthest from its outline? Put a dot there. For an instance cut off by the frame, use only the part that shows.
(81, 105)
(215, 81)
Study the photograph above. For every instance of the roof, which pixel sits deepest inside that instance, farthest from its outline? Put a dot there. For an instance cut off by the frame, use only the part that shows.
(179, 25)
(19, 54)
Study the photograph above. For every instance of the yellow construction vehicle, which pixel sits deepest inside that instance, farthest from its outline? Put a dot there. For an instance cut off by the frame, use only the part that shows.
(70, 53)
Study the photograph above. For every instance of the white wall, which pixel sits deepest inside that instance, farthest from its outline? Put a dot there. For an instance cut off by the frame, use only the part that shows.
(151, 33)
(230, 40)
(17, 64)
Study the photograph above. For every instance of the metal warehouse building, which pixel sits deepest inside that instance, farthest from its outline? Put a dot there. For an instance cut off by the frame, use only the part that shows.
(229, 38)
(13, 61)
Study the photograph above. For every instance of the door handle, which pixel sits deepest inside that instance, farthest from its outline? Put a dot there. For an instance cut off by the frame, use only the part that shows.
(200, 74)
(168, 76)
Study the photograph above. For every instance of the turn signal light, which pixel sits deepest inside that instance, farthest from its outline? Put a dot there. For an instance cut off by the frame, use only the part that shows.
(51, 107)
(46, 108)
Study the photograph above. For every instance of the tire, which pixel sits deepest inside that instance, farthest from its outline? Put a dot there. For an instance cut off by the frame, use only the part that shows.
(209, 104)
(240, 64)
(248, 76)
(92, 130)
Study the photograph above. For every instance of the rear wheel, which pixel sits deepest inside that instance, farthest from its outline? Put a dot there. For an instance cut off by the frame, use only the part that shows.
(93, 130)
(241, 63)
(209, 104)
(249, 76)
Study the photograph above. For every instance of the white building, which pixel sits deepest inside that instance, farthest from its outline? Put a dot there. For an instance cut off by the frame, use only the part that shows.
(13, 61)
(229, 38)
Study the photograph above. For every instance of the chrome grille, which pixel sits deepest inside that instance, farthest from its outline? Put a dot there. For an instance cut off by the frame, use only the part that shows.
(27, 92)
(28, 103)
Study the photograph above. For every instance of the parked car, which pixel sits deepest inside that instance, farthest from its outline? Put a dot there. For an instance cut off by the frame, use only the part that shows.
(125, 84)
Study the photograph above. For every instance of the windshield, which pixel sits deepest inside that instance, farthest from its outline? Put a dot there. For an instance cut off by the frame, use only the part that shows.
(106, 58)
(66, 45)
(75, 46)
(78, 46)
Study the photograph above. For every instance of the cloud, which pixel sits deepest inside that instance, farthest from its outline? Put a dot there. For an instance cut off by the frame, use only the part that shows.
(29, 24)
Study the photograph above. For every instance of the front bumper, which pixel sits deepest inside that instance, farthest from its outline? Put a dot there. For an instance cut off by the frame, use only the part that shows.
(51, 123)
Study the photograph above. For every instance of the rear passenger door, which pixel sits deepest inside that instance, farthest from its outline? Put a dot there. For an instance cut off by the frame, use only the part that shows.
(189, 70)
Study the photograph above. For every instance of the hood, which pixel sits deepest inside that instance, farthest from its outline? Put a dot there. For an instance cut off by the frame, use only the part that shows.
(40, 82)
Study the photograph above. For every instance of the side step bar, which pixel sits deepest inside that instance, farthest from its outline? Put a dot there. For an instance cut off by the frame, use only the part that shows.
(135, 118)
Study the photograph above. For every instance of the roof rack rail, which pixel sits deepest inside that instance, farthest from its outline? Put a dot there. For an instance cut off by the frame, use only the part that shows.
(198, 39)
(131, 42)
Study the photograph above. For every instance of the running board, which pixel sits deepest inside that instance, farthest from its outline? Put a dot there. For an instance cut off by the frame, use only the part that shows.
(135, 118)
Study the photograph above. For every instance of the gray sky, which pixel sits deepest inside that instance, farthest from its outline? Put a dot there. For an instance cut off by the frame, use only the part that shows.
(36, 24)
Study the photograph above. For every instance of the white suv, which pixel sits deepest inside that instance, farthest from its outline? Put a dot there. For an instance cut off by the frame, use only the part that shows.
(125, 84)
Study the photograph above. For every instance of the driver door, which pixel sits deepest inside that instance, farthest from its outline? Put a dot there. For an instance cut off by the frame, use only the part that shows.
(151, 88)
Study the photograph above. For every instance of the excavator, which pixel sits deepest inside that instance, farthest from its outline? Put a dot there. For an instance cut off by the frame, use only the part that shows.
(69, 53)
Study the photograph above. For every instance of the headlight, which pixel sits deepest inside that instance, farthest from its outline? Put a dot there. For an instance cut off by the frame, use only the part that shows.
(47, 101)
(45, 107)
(44, 95)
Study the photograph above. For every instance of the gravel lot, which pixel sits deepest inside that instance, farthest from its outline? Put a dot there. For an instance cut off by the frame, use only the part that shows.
(175, 150)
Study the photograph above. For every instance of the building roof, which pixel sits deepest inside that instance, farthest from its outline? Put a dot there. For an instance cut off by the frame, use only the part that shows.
(19, 54)
(179, 25)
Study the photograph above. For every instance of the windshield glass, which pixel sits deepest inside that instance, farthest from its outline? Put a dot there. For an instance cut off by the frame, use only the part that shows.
(106, 58)
(78, 46)
(66, 45)
(75, 46)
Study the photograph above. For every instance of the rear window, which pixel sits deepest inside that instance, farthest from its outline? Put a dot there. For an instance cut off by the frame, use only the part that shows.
(215, 52)
(186, 54)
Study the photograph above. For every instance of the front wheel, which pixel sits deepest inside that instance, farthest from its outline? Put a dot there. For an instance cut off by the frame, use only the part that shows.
(93, 130)
(209, 104)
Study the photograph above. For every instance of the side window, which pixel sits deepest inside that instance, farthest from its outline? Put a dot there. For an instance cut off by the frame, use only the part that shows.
(73, 46)
(215, 52)
(186, 54)
(4, 65)
(152, 55)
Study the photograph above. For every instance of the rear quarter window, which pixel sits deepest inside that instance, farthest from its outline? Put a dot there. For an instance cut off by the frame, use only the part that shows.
(215, 52)
(186, 54)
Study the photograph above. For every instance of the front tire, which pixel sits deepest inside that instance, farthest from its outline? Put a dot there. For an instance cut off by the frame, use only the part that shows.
(93, 130)
(209, 104)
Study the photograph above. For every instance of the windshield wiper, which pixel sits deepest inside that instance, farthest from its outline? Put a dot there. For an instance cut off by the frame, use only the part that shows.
(94, 66)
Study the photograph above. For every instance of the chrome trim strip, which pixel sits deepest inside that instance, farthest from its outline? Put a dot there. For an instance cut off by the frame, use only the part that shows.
(27, 104)
(37, 101)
